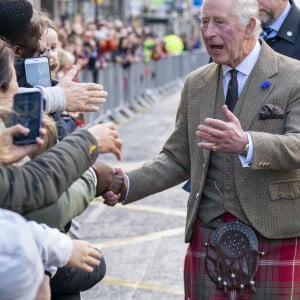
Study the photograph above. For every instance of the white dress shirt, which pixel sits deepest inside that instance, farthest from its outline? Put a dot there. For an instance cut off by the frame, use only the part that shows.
(244, 69)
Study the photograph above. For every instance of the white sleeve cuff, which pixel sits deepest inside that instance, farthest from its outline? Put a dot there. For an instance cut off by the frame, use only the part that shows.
(246, 161)
(55, 100)
(128, 186)
(92, 172)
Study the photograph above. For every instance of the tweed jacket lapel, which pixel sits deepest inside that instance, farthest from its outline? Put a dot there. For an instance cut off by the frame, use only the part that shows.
(253, 95)
(251, 99)
(207, 89)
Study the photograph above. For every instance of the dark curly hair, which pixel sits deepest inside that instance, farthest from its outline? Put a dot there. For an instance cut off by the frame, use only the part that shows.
(15, 17)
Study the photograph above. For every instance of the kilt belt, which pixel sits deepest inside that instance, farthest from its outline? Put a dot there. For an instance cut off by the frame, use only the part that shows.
(277, 272)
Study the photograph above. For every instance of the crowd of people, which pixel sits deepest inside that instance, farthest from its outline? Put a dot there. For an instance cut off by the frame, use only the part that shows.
(236, 139)
(53, 180)
(93, 46)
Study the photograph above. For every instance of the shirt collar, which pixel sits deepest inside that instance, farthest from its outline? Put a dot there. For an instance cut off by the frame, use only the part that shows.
(246, 66)
(279, 21)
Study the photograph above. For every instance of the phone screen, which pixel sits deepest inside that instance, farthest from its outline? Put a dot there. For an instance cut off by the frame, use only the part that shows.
(37, 71)
(27, 112)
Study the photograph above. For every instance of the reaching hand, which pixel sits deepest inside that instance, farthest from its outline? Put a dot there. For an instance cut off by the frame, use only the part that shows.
(117, 182)
(226, 136)
(104, 175)
(82, 96)
(117, 190)
(107, 137)
(10, 153)
(84, 256)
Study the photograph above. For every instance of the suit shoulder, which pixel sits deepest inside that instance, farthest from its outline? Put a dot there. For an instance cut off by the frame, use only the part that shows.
(288, 63)
(203, 72)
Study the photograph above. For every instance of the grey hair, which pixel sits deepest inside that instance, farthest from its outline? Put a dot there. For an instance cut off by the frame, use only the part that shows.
(246, 9)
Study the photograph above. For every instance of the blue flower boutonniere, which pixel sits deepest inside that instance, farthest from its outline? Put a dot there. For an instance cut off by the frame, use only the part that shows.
(265, 84)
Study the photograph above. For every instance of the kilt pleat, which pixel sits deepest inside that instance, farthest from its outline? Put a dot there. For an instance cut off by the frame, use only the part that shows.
(277, 278)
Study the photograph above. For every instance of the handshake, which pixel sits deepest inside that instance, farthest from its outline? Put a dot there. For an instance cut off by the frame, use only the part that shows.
(111, 183)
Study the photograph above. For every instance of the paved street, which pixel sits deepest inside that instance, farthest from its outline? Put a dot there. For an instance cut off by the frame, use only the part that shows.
(143, 243)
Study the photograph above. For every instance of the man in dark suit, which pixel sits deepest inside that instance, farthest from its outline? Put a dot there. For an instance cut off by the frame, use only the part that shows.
(283, 17)
(243, 160)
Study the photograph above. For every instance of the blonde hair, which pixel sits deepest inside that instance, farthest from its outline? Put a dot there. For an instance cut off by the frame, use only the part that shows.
(50, 139)
(46, 22)
(5, 150)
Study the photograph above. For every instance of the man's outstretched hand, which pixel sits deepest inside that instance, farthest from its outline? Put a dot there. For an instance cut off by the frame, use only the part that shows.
(117, 189)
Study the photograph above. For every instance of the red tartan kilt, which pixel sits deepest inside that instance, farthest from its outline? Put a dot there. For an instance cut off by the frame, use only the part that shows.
(277, 278)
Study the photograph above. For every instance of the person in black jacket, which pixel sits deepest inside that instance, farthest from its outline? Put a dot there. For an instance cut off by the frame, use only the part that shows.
(282, 20)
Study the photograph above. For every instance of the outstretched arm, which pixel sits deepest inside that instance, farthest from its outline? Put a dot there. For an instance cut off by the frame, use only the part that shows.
(84, 256)
(81, 96)
(117, 190)
(58, 250)
(41, 181)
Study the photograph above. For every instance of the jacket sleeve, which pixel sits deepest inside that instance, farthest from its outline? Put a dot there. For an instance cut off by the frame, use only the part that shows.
(170, 167)
(70, 204)
(40, 182)
(55, 247)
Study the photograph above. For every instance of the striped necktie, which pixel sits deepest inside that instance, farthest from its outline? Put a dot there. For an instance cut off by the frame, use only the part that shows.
(266, 32)
(232, 91)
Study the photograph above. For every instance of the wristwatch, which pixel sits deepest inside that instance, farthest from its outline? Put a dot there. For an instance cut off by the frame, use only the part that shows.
(245, 150)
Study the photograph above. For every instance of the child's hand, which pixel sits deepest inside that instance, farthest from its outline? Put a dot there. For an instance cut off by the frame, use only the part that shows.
(84, 256)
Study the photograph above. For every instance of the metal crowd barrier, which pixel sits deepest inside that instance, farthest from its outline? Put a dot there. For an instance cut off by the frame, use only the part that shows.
(142, 83)
(137, 88)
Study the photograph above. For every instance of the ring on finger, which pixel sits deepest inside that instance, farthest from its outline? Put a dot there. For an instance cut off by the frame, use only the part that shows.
(215, 148)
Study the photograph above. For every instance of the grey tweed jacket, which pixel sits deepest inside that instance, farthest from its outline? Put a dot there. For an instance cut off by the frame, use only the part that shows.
(268, 191)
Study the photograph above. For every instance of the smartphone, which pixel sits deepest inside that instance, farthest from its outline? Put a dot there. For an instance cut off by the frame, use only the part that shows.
(37, 71)
(27, 111)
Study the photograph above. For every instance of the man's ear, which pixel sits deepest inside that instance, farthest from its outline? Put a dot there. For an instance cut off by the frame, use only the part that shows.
(250, 28)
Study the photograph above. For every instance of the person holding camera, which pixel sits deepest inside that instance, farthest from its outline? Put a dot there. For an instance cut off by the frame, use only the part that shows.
(47, 177)
(20, 26)
(24, 31)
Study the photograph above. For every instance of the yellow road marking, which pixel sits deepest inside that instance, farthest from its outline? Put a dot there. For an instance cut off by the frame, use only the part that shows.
(165, 211)
(146, 286)
(141, 238)
(126, 166)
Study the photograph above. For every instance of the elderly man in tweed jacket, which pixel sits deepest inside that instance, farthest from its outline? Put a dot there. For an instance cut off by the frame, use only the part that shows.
(244, 164)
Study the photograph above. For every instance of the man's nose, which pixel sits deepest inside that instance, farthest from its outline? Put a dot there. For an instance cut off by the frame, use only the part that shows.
(210, 30)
